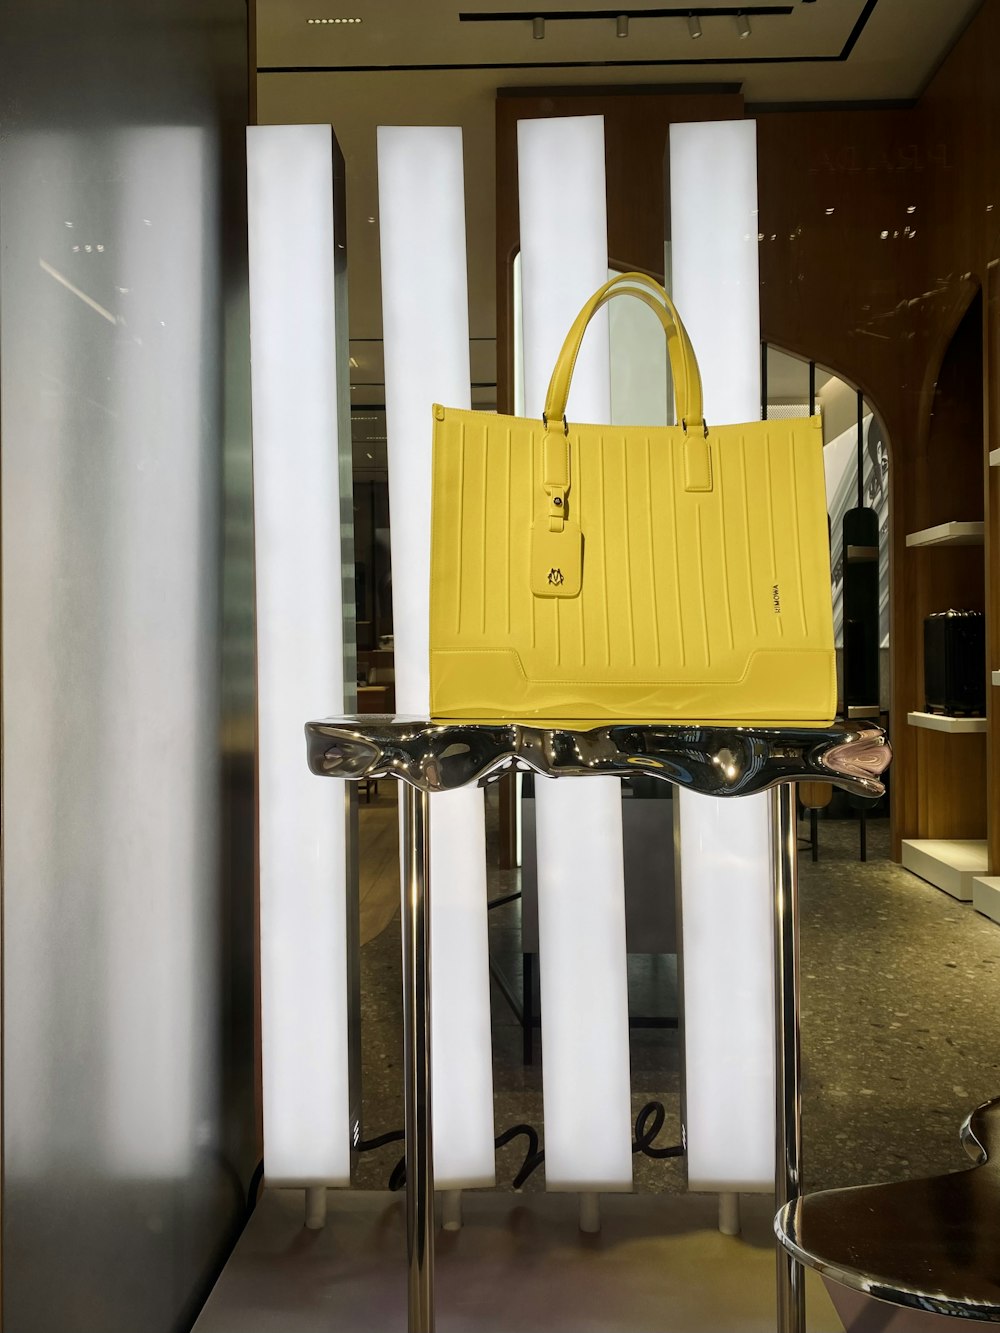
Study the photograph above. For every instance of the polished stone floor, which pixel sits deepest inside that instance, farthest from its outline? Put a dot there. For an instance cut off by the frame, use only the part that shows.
(901, 1017)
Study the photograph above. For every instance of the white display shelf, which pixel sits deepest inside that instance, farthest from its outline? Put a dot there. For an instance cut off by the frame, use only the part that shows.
(986, 896)
(950, 864)
(948, 534)
(995, 677)
(942, 722)
(995, 458)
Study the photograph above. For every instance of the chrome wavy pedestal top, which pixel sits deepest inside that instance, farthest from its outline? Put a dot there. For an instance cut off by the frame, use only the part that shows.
(714, 760)
(931, 1244)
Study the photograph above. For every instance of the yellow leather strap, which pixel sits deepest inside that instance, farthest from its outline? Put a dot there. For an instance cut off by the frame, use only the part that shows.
(683, 363)
(555, 474)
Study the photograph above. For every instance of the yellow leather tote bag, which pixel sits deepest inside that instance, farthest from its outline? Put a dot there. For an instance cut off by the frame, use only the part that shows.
(662, 573)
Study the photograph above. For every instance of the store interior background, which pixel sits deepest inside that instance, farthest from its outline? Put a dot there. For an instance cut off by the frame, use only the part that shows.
(879, 176)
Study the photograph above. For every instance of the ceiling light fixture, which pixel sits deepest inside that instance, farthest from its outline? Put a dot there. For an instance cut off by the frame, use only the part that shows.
(538, 29)
(743, 25)
(622, 25)
(694, 26)
(336, 20)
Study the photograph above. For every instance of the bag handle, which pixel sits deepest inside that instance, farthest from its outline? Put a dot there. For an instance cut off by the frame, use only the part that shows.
(687, 393)
(683, 363)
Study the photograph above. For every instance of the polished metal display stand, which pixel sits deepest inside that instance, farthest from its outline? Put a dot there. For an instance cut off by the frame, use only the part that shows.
(723, 761)
(928, 1245)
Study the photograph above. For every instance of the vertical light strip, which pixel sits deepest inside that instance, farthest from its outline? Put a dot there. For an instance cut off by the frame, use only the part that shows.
(581, 889)
(425, 317)
(725, 845)
(154, 939)
(296, 362)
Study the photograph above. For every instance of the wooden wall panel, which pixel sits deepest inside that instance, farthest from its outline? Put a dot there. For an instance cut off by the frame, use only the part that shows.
(879, 298)
(880, 228)
(954, 805)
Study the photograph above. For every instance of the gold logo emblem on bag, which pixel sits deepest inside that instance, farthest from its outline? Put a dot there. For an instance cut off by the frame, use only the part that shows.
(556, 577)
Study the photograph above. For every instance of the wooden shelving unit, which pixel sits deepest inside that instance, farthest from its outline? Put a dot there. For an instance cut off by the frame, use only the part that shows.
(991, 508)
(943, 813)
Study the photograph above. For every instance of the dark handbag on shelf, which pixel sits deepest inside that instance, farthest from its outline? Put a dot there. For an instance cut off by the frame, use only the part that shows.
(955, 663)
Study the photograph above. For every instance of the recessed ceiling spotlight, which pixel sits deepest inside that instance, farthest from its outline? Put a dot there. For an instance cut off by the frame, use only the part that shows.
(538, 29)
(694, 26)
(743, 25)
(622, 25)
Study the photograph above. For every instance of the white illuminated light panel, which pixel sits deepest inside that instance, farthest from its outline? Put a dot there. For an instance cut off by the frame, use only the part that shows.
(581, 892)
(725, 845)
(425, 315)
(156, 949)
(297, 503)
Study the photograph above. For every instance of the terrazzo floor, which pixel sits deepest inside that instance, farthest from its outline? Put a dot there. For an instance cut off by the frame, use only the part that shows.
(900, 1032)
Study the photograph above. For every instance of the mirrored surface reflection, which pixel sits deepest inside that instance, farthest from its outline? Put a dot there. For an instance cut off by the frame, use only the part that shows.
(711, 760)
(925, 1244)
(127, 834)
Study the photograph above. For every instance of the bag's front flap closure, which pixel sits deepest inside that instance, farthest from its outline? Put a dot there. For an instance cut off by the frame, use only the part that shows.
(556, 559)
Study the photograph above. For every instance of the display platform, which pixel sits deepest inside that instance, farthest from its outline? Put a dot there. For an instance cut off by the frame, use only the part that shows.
(722, 759)
(986, 896)
(927, 1247)
(520, 1263)
(430, 756)
(950, 864)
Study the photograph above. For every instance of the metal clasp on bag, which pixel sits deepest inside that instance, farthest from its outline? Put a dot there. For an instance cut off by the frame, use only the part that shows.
(685, 425)
(545, 423)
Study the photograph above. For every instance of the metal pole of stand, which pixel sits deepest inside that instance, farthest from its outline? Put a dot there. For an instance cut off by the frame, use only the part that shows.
(788, 1104)
(417, 1060)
